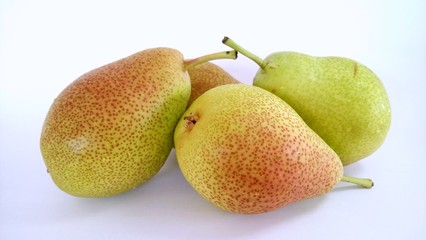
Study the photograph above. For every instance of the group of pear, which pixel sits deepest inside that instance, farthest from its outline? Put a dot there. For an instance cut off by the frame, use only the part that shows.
(245, 148)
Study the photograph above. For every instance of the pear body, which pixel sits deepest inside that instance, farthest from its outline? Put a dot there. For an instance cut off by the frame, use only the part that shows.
(247, 151)
(340, 99)
(206, 76)
(112, 129)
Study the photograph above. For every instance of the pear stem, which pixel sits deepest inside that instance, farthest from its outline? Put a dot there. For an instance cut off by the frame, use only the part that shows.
(363, 182)
(190, 63)
(230, 43)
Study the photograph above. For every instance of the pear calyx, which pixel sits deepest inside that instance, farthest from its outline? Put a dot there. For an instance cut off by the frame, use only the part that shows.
(188, 64)
(190, 120)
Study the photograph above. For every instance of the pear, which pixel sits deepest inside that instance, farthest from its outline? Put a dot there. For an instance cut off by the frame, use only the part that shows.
(246, 151)
(340, 99)
(111, 130)
(206, 76)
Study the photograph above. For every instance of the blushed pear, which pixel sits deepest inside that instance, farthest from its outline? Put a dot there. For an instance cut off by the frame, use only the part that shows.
(111, 129)
(246, 151)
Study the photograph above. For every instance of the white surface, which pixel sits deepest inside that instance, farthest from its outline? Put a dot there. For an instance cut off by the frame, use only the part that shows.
(44, 45)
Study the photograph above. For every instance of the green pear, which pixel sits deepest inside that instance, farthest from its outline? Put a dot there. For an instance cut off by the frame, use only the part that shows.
(340, 99)
(247, 151)
(206, 76)
(112, 129)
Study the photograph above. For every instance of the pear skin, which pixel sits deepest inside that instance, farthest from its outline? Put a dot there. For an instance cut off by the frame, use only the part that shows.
(342, 100)
(247, 151)
(112, 129)
(206, 76)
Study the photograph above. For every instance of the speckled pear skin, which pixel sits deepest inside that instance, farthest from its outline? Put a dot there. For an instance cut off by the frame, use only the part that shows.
(206, 76)
(340, 99)
(247, 151)
(112, 129)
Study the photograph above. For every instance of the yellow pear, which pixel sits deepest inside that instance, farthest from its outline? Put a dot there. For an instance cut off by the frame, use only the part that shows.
(247, 151)
(206, 76)
(112, 129)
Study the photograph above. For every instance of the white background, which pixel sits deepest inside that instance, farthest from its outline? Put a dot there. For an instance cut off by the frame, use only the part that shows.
(44, 45)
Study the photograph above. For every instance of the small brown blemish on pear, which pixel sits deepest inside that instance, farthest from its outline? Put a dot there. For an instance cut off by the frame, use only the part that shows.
(355, 69)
